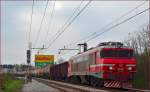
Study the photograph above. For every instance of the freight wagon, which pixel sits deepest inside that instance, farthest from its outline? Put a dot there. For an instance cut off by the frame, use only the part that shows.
(59, 71)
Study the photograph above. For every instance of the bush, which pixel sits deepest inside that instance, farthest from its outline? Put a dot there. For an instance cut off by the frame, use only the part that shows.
(141, 77)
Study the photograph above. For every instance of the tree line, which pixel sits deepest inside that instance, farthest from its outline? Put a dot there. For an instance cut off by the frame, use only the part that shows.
(140, 42)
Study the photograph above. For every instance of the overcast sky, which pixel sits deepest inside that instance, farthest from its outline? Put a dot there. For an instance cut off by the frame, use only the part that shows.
(15, 25)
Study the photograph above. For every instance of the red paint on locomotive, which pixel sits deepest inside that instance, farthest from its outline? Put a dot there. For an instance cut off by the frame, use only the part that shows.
(107, 63)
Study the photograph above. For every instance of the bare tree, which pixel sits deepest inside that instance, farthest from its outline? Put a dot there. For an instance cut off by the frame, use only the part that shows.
(140, 42)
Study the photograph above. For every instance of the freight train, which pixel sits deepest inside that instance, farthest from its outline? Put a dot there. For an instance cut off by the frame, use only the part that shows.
(110, 64)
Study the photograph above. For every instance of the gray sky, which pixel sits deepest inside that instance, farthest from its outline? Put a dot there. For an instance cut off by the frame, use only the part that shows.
(15, 25)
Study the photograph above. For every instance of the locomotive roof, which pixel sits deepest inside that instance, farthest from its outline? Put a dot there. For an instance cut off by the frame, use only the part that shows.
(97, 49)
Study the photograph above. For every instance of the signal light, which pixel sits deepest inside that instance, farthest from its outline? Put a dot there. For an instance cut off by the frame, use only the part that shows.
(28, 56)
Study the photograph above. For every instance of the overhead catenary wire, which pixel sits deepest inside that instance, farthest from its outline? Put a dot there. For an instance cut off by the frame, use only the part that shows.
(74, 12)
(114, 21)
(38, 33)
(31, 21)
(59, 34)
(69, 19)
(78, 7)
(50, 22)
(114, 26)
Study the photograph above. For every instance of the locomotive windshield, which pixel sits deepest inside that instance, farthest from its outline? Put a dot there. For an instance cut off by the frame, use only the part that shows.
(116, 53)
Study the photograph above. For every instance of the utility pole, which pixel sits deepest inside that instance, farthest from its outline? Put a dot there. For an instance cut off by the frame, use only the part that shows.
(149, 50)
(29, 52)
(29, 58)
(67, 49)
(84, 47)
(39, 48)
(83, 44)
(29, 55)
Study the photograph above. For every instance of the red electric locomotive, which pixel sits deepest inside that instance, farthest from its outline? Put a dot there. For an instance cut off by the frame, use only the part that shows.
(110, 64)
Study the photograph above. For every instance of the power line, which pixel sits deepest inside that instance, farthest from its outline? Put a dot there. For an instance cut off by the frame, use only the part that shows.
(114, 26)
(94, 33)
(78, 7)
(69, 23)
(31, 20)
(50, 23)
(38, 34)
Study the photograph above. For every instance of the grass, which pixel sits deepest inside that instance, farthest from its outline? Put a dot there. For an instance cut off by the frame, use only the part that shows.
(11, 84)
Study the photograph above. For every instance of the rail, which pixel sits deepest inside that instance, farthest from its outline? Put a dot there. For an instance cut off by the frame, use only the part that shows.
(67, 87)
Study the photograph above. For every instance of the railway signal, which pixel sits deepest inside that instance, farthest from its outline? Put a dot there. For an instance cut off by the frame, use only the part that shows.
(28, 56)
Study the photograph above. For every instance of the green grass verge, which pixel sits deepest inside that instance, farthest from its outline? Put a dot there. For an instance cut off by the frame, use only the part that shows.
(11, 84)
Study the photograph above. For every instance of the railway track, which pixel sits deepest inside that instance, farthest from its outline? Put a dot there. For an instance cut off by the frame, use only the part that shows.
(69, 87)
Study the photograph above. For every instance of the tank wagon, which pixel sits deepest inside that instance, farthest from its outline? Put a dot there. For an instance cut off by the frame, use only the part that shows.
(110, 64)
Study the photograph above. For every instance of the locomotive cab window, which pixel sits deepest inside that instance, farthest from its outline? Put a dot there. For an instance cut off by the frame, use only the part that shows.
(116, 53)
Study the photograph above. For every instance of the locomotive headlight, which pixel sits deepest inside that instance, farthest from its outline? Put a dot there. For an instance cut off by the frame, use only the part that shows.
(129, 68)
(110, 68)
